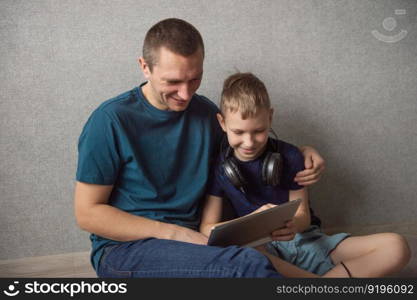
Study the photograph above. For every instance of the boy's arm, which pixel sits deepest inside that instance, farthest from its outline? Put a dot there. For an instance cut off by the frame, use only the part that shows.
(314, 166)
(301, 220)
(212, 214)
(95, 215)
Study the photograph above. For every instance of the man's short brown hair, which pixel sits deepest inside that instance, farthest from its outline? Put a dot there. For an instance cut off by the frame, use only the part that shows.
(174, 34)
(244, 92)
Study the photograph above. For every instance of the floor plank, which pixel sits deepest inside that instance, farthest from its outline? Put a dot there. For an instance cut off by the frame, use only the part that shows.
(72, 265)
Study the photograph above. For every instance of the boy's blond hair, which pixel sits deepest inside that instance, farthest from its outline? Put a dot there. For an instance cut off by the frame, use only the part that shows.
(244, 92)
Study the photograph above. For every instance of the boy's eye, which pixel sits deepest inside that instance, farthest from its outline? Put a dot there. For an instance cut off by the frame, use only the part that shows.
(237, 132)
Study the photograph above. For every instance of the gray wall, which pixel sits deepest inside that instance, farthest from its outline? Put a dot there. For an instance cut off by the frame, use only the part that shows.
(333, 85)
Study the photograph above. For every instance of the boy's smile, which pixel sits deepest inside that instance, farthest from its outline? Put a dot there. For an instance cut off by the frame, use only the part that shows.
(248, 137)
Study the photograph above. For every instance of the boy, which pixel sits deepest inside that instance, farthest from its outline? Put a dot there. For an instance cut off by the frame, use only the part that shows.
(256, 172)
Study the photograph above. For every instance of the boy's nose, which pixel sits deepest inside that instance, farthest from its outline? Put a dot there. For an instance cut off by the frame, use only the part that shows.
(248, 141)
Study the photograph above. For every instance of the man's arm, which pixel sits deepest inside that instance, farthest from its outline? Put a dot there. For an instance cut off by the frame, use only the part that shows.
(314, 166)
(95, 215)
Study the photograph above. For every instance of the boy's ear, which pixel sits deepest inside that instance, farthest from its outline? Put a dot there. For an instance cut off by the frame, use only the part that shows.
(144, 67)
(271, 114)
(220, 118)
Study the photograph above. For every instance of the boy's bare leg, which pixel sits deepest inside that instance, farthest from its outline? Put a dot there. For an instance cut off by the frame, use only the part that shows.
(285, 268)
(375, 255)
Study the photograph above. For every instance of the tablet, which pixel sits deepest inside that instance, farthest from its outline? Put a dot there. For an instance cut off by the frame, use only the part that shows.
(253, 230)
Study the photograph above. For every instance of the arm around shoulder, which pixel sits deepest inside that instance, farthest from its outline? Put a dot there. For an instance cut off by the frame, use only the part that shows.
(314, 166)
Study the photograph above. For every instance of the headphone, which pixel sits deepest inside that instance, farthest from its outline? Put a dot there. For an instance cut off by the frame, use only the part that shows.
(271, 166)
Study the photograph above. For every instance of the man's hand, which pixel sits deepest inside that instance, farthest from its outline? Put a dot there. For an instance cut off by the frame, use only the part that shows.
(286, 233)
(314, 166)
(184, 234)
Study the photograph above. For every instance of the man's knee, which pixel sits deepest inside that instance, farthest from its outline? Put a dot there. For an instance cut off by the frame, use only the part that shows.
(255, 264)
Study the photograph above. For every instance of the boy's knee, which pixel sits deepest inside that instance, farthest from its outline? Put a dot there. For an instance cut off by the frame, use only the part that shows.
(399, 248)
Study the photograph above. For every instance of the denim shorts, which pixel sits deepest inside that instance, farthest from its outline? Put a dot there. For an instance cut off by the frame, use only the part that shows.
(309, 250)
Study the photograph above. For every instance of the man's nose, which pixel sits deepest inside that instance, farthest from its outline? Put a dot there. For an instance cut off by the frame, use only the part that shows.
(185, 91)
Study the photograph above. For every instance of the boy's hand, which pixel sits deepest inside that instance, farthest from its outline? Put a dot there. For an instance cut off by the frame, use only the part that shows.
(314, 166)
(286, 233)
(263, 207)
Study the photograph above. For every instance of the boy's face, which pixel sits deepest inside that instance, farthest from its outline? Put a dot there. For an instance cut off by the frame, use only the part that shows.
(249, 137)
(173, 80)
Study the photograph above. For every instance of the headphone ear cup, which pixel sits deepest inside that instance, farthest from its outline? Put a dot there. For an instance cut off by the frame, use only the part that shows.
(272, 168)
(232, 172)
(265, 167)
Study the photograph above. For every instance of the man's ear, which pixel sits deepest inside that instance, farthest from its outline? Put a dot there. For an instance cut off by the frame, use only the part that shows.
(144, 67)
(220, 118)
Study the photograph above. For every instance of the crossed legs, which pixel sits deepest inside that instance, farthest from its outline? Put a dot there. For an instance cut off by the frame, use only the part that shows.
(374, 255)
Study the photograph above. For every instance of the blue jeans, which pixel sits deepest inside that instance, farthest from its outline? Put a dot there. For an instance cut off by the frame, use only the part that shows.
(168, 258)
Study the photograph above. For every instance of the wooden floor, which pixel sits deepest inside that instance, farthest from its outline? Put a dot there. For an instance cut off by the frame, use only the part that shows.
(77, 265)
(70, 265)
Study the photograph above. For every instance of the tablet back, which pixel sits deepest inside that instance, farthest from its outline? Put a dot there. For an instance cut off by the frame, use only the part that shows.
(255, 229)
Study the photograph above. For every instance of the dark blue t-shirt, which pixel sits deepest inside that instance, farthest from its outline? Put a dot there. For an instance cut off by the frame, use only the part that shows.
(257, 193)
(158, 161)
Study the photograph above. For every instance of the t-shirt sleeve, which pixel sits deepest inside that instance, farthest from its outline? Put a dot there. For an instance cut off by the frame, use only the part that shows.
(293, 163)
(214, 184)
(98, 155)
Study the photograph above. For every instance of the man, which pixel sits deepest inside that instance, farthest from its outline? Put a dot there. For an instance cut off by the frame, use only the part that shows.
(144, 160)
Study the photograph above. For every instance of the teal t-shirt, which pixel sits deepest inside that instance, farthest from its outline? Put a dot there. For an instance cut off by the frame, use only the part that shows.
(158, 161)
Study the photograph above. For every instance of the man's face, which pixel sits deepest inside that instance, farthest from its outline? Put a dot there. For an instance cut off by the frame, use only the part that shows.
(173, 80)
(247, 137)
